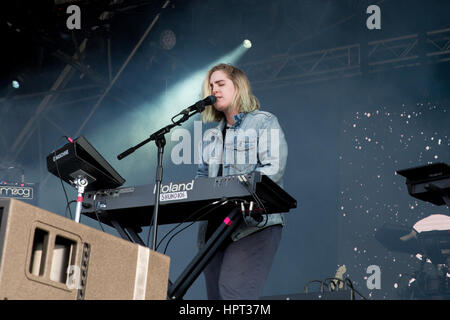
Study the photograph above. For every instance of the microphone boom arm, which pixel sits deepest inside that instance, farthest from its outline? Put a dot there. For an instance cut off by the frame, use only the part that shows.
(159, 133)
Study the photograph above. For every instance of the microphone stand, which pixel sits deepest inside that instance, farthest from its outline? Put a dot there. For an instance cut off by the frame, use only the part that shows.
(160, 141)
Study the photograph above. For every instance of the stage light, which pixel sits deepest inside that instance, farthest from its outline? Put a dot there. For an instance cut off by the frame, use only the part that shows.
(167, 39)
(18, 80)
(247, 44)
(15, 84)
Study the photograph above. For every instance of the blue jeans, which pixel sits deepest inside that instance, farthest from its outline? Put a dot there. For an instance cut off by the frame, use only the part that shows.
(240, 270)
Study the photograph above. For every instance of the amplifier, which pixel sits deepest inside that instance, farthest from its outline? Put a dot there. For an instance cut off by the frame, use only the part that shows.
(47, 256)
(24, 191)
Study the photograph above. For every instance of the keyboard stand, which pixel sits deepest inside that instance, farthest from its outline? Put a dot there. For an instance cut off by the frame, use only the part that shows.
(127, 233)
(177, 290)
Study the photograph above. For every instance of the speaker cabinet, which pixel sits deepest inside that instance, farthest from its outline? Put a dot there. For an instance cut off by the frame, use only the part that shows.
(46, 256)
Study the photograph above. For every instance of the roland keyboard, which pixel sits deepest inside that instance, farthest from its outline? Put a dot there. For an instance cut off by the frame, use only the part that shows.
(133, 206)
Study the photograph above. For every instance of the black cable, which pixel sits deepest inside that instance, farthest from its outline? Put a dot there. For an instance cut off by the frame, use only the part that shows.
(188, 218)
(189, 225)
(222, 202)
(247, 186)
(98, 219)
(59, 175)
(306, 288)
(350, 284)
(67, 207)
(333, 282)
(96, 211)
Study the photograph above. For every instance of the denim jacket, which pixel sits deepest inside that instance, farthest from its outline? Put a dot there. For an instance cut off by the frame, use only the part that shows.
(255, 142)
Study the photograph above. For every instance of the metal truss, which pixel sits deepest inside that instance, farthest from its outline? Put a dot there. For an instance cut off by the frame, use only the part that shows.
(348, 61)
(11, 150)
(439, 43)
(294, 69)
(17, 145)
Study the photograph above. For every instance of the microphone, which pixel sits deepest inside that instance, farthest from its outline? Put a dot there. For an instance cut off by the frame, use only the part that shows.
(200, 105)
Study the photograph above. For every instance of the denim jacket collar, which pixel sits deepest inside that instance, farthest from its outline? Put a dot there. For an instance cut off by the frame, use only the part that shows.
(237, 120)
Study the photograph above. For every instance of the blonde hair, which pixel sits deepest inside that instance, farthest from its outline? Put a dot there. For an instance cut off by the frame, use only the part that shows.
(243, 98)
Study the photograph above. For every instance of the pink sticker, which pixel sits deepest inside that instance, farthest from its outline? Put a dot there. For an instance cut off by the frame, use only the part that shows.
(227, 221)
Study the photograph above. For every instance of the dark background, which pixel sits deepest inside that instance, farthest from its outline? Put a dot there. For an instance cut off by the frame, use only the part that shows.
(351, 121)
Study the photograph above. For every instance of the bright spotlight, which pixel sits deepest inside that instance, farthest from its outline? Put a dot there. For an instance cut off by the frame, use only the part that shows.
(247, 44)
(18, 80)
(15, 84)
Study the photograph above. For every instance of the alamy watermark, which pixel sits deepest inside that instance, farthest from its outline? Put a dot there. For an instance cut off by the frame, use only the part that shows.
(374, 20)
(374, 280)
(74, 20)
